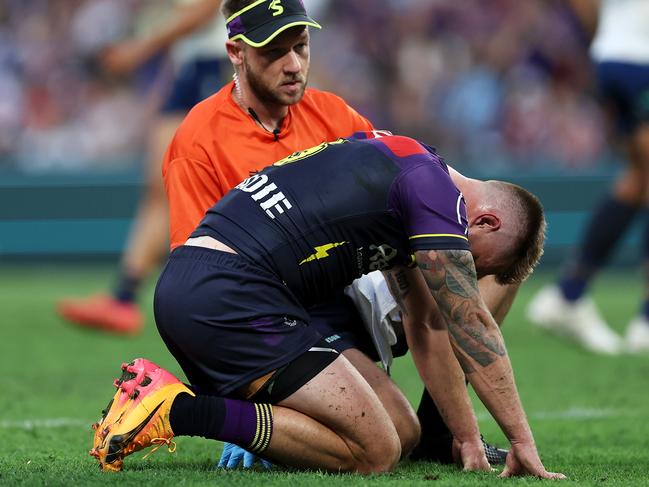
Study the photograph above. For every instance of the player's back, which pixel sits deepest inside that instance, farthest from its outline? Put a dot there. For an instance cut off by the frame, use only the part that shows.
(322, 217)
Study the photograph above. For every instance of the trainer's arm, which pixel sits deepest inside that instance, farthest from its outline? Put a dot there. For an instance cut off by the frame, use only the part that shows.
(439, 369)
(479, 348)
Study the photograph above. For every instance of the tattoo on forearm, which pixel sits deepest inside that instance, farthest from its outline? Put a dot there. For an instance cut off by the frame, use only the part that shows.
(402, 281)
(465, 363)
(451, 276)
(399, 286)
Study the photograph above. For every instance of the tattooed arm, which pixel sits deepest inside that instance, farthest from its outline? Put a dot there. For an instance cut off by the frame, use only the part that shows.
(498, 297)
(480, 350)
(429, 345)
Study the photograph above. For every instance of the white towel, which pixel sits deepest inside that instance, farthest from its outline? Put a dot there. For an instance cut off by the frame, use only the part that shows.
(379, 312)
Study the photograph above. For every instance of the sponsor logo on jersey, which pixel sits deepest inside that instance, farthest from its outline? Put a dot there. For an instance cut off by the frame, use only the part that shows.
(382, 257)
(332, 338)
(299, 155)
(322, 251)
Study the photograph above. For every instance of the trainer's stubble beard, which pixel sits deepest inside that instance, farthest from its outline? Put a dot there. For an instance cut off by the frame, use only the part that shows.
(269, 95)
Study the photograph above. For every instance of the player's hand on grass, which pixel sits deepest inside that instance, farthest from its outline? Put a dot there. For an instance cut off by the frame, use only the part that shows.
(523, 459)
(233, 456)
(470, 455)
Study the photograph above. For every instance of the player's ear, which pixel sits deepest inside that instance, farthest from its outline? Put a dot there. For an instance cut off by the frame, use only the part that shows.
(235, 52)
(487, 222)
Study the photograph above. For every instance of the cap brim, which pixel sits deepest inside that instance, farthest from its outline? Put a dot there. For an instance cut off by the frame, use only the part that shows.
(265, 33)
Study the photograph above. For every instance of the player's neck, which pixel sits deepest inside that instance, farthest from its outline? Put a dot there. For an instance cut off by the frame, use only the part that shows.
(268, 116)
(472, 189)
(461, 182)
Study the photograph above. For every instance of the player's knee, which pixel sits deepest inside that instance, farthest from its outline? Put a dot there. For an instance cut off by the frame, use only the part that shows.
(409, 434)
(381, 455)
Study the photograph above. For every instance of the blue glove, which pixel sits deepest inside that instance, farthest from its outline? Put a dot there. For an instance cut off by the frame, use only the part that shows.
(232, 455)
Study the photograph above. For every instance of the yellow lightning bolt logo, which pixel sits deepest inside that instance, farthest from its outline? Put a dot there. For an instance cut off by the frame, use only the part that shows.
(321, 251)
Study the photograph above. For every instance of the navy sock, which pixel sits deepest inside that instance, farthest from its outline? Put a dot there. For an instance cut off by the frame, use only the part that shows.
(607, 225)
(436, 439)
(247, 424)
(127, 287)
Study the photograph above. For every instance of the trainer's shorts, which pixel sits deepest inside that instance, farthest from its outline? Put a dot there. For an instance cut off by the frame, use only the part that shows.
(226, 320)
(624, 87)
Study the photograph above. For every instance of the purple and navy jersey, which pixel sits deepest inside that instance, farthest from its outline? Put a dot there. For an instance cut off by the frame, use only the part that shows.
(324, 216)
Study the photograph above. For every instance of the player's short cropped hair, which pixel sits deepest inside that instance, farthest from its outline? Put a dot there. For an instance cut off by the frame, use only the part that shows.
(527, 213)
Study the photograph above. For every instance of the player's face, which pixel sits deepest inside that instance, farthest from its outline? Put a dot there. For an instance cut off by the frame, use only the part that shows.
(277, 73)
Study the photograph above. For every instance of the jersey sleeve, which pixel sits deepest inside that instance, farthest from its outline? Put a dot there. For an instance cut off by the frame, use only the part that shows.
(192, 188)
(431, 208)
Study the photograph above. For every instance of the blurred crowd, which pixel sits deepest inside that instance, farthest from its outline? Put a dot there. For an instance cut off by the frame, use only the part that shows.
(501, 83)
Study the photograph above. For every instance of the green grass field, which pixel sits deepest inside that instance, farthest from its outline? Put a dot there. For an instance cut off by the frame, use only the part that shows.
(590, 414)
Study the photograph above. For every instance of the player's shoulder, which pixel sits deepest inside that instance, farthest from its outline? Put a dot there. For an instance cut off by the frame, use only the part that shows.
(398, 145)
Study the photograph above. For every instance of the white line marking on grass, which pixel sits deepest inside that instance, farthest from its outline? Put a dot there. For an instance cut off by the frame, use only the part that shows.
(30, 424)
(577, 413)
(574, 413)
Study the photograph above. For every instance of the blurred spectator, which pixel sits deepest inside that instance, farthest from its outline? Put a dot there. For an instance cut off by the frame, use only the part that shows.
(504, 79)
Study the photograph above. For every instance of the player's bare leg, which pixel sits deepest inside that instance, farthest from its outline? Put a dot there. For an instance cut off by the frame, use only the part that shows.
(335, 422)
(565, 309)
(148, 238)
(395, 403)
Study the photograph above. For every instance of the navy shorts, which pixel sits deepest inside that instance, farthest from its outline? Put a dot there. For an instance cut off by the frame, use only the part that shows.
(341, 326)
(625, 88)
(195, 81)
(227, 321)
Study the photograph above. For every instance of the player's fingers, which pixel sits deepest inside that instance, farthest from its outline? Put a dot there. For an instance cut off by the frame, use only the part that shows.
(248, 460)
(554, 476)
(266, 464)
(477, 464)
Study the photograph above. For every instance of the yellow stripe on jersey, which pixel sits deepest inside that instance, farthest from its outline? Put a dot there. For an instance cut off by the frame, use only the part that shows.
(424, 235)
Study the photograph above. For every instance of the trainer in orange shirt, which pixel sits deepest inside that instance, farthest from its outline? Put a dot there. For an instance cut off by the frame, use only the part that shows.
(265, 114)
(233, 133)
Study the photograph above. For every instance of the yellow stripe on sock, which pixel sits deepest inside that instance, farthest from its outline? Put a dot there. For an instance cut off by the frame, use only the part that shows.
(257, 432)
(269, 427)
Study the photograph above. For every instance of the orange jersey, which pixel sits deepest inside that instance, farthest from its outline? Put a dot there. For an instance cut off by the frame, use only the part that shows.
(218, 145)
